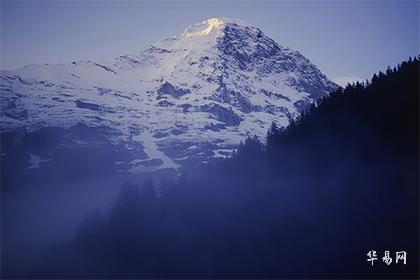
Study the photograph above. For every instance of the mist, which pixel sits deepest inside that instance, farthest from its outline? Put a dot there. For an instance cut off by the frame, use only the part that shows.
(309, 202)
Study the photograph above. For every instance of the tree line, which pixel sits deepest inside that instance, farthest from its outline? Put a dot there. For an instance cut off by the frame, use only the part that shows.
(311, 201)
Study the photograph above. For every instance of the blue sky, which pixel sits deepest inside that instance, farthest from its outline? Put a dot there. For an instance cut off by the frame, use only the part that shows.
(347, 40)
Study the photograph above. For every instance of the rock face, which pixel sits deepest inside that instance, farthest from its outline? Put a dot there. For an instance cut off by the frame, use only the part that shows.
(187, 98)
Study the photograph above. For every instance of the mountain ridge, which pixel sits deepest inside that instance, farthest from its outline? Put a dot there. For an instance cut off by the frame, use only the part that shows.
(192, 96)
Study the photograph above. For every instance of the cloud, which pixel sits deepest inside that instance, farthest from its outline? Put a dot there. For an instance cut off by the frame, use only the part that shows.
(344, 80)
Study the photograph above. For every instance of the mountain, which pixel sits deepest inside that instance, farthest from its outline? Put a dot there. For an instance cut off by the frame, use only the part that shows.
(341, 181)
(186, 99)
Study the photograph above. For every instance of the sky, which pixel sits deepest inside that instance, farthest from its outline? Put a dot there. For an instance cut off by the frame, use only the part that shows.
(347, 40)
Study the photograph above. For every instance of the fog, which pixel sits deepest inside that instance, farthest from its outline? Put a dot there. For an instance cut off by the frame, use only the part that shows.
(311, 202)
(37, 217)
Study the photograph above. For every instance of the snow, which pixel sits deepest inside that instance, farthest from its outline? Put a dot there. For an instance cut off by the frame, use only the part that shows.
(123, 94)
(35, 161)
(212, 26)
(152, 151)
(222, 153)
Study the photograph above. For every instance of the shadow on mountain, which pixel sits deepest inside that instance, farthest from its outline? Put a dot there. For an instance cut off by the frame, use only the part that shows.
(310, 203)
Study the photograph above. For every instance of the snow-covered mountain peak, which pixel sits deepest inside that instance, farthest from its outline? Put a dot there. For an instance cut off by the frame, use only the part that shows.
(187, 98)
(212, 26)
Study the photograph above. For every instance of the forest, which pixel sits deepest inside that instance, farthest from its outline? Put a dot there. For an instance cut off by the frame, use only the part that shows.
(309, 202)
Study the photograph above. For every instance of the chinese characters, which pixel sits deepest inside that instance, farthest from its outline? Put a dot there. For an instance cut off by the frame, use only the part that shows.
(400, 257)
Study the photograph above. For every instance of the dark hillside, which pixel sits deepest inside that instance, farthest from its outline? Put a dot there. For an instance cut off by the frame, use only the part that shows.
(311, 203)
